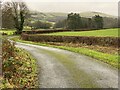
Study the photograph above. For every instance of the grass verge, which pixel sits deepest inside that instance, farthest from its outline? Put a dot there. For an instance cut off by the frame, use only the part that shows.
(111, 59)
(19, 68)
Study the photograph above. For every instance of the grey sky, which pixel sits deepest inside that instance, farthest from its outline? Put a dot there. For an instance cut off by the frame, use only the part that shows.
(105, 7)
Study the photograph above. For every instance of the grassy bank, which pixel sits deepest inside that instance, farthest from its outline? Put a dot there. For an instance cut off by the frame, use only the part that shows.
(102, 33)
(111, 59)
(107, 58)
(19, 68)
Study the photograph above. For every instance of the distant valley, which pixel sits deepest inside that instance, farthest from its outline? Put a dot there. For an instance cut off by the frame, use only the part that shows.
(57, 16)
(54, 17)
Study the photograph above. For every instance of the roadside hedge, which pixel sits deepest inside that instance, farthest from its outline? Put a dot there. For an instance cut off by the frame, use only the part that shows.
(43, 31)
(102, 41)
(53, 31)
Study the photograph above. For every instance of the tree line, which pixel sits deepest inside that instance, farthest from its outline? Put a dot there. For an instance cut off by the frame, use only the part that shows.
(75, 21)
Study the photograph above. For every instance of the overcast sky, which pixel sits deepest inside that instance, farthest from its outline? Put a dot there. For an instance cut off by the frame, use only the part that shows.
(105, 6)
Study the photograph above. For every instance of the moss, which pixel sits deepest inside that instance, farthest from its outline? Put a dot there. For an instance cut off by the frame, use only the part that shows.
(76, 73)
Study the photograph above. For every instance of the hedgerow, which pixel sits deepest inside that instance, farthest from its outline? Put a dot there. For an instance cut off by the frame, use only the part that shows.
(88, 40)
(53, 31)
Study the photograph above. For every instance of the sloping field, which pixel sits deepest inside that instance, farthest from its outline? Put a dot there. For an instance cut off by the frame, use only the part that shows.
(100, 33)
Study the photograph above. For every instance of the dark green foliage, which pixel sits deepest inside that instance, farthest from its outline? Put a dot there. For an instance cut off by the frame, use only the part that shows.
(74, 21)
(98, 22)
(110, 22)
(89, 22)
(60, 24)
(42, 25)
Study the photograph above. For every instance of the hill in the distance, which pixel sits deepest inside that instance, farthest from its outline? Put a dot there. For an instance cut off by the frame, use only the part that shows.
(54, 16)
(91, 14)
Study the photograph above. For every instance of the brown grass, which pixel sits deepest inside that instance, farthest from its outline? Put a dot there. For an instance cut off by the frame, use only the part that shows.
(109, 50)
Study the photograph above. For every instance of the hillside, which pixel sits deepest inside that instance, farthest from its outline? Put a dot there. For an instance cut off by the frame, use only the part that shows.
(52, 17)
(91, 14)
(56, 16)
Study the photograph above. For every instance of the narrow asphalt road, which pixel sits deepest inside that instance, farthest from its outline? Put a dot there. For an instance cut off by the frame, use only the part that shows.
(64, 69)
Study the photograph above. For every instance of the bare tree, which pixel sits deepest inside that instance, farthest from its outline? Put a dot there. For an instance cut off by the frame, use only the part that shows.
(19, 12)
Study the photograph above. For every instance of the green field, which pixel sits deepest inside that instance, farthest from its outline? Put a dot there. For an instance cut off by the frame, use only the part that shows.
(9, 32)
(102, 33)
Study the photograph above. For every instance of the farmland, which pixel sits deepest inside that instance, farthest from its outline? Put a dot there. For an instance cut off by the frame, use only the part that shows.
(110, 58)
(59, 47)
(102, 54)
(101, 33)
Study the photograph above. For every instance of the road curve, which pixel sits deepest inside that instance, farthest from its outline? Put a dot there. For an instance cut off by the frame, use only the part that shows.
(64, 69)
